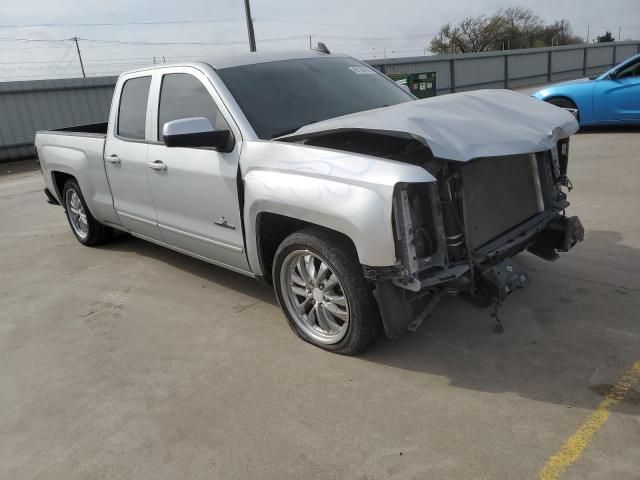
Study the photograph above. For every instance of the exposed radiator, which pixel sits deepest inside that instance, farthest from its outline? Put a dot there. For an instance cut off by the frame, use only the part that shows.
(499, 194)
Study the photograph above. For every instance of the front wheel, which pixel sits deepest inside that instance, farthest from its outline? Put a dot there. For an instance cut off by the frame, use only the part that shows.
(323, 293)
(87, 229)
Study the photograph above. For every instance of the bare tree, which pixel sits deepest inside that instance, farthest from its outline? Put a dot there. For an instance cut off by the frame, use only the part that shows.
(520, 26)
(509, 28)
(558, 33)
(472, 34)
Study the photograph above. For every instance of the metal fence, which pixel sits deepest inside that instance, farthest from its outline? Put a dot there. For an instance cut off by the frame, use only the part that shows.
(26, 107)
(512, 68)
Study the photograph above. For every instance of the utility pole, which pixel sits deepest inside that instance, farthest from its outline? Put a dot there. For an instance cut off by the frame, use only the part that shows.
(588, 29)
(619, 33)
(310, 46)
(75, 39)
(252, 37)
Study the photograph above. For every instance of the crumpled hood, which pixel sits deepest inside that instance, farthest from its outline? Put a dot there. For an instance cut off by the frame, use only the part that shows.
(463, 126)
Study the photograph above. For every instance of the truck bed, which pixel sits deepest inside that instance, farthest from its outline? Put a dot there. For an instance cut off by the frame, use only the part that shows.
(77, 152)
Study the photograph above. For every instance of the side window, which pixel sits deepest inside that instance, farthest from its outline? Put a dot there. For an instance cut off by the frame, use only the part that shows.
(132, 112)
(632, 70)
(183, 96)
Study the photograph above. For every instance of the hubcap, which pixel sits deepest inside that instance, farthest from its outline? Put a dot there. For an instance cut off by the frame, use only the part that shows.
(77, 214)
(314, 297)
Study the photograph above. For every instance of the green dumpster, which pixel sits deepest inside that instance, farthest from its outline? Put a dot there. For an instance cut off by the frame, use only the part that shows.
(422, 85)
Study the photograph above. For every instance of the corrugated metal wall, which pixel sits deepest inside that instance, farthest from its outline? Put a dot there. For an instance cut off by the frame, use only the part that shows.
(513, 68)
(26, 107)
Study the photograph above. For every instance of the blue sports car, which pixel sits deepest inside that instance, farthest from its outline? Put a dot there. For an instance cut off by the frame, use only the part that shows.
(611, 98)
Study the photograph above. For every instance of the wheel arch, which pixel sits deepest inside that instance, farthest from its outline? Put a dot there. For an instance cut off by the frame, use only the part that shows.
(562, 96)
(59, 179)
(270, 231)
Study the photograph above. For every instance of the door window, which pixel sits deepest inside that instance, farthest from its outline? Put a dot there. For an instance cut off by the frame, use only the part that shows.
(632, 70)
(184, 96)
(132, 112)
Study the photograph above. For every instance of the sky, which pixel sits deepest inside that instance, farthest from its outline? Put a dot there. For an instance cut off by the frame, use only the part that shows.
(34, 34)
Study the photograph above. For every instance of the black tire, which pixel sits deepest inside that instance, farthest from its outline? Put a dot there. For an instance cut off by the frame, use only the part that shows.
(564, 102)
(340, 255)
(97, 233)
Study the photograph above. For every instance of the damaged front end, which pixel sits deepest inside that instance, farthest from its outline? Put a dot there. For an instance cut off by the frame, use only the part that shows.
(459, 234)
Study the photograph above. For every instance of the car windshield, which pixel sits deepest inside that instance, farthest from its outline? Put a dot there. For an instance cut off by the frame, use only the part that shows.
(280, 97)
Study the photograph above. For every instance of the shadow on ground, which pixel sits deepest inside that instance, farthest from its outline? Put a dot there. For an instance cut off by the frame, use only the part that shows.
(567, 338)
(559, 344)
(610, 129)
(204, 270)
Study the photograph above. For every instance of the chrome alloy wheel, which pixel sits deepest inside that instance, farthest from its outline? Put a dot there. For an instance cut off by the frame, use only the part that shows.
(314, 297)
(77, 214)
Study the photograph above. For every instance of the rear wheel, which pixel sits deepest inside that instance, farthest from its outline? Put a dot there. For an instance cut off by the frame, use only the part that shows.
(322, 291)
(564, 102)
(87, 229)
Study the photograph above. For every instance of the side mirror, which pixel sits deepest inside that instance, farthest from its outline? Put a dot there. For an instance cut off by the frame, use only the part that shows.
(196, 132)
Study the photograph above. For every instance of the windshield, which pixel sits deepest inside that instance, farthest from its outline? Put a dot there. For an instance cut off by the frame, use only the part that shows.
(280, 97)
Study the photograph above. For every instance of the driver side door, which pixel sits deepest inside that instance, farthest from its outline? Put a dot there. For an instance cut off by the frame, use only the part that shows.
(195, 191)
(617, 98)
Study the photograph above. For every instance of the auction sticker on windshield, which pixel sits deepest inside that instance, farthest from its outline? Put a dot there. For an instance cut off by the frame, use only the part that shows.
(362, 70)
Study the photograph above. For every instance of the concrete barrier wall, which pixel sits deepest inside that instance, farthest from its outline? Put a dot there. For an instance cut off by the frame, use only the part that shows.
(26, 107)
(513, 68)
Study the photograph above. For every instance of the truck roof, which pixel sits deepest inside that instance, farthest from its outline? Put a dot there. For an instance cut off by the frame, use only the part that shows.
(250, 58)
(263, 57)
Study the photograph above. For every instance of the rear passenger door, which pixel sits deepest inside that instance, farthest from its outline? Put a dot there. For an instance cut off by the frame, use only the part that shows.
(125, 156)
(196, 196)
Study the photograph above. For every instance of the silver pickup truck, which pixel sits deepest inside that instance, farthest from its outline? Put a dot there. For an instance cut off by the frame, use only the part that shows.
(361, 205)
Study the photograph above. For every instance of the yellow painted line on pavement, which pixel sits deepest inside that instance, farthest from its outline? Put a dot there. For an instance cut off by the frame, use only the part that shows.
(572, 449)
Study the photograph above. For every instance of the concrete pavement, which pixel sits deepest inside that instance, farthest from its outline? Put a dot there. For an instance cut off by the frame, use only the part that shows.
(131, 361)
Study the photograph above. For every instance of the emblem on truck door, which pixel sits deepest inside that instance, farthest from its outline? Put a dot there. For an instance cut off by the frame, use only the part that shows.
(222, 222)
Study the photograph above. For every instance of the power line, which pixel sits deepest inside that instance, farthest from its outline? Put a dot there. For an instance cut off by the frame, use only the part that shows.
(274, 39)
(113, 24)
(301, 22)
(344, 37)
(242, 42)
(92, 61)
(189, 21)
(10, 39)
(143, 42)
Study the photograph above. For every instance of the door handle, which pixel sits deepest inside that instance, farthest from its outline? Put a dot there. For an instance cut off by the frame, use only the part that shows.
(158, 166)
(114, 159)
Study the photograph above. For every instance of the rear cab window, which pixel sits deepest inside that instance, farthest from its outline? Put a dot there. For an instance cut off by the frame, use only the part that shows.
(132, 111)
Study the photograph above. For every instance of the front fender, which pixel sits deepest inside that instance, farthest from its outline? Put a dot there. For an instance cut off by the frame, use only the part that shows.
(581, 94)
(349, 193)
